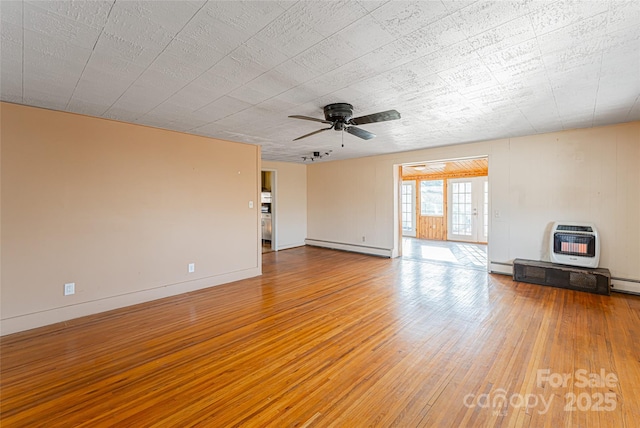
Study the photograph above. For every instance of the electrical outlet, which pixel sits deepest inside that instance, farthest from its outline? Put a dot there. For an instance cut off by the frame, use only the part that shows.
(250, 204)
(363, 239)
(69, 288)
(192, 267)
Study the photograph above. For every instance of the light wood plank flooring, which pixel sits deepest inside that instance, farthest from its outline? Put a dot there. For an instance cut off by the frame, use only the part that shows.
(334, 339)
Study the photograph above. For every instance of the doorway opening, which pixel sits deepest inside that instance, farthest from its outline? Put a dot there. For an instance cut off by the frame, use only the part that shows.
(268, 211)
(444, 210)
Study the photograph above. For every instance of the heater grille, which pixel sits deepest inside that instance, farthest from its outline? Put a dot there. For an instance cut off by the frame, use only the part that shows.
(586, 281)
(575, 244)
(534, 272)
(575, 228)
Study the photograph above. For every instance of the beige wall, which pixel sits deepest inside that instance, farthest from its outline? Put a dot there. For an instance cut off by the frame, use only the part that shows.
(584, 175)
(120, 210)
(351, 202)
(290, 203)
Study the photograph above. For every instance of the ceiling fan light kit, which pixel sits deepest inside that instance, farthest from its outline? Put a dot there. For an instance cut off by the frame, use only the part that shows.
(340, 117)
(316, 155)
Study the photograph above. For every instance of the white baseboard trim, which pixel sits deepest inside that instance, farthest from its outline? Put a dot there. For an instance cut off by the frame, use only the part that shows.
(66, 313)
(374, 251)
(625, 286)
(501, 268)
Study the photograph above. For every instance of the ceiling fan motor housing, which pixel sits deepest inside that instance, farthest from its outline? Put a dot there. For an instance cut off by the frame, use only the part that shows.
(340, 117)
(338, 112)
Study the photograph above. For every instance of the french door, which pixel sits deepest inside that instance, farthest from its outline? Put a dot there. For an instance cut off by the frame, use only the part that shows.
(468, 209)
(409, 208)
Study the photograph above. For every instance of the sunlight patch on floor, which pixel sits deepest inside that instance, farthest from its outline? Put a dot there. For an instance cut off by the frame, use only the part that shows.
(449, 252)
(438, 253)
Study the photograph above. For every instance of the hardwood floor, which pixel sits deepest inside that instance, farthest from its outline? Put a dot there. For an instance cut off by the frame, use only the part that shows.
(266, 246)
(334, 339)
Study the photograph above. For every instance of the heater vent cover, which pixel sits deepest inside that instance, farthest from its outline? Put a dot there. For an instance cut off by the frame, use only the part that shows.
(574, 278)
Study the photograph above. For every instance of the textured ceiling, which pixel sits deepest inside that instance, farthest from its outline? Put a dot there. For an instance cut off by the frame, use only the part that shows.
(457, 71)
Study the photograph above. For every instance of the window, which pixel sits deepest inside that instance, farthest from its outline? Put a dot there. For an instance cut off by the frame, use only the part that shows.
(432, 197)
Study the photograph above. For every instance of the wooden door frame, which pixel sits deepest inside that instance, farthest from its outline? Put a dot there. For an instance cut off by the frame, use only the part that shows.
(274, 208)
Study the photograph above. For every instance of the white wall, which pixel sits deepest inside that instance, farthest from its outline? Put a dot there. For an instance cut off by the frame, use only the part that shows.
(351, 202)
(290, 203)
(585, 175)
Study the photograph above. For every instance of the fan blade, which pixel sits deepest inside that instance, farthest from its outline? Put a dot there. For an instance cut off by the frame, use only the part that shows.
(375, 117)
(313, 133)
(359, 132)
(309, 118)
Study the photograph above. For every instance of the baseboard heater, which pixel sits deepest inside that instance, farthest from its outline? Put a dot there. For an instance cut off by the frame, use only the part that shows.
(592, 280)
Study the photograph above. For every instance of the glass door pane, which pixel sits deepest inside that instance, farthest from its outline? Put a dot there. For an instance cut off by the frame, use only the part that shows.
(461, 219)
(408, 198)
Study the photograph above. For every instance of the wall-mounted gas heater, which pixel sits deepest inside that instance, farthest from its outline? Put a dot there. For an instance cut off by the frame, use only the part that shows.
(575, 244)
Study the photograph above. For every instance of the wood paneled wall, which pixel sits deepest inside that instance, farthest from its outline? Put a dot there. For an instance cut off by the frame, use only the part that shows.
(432, 228)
